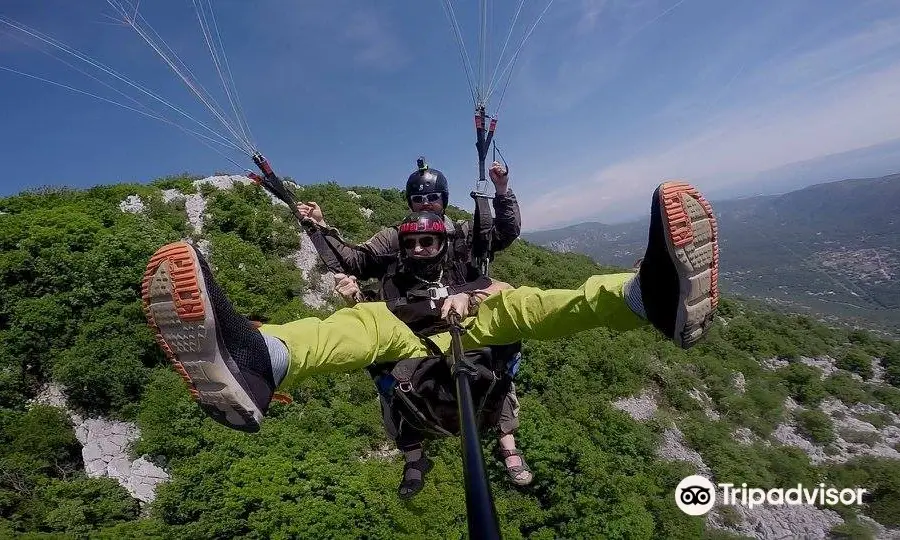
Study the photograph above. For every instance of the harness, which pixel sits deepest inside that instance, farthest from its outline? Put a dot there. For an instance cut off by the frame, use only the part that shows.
(458, 255)
(422, 391)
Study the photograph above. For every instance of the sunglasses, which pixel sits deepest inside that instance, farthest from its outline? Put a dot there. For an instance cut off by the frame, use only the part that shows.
(425, 241)
(422, 199)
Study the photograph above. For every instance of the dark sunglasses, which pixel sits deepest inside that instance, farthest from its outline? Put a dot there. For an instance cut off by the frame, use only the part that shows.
(425, 241)
(422, 199)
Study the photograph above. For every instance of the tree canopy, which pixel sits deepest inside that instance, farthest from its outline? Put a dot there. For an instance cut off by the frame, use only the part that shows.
(70, 269)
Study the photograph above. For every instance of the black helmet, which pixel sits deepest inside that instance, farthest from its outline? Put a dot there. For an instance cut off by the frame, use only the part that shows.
(419, 223)
(426, 180)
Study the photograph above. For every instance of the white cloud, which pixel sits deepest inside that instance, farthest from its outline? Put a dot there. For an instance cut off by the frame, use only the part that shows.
(339, 32)
(841, 96)
(592, 11)
(378, 47)
(835, 60)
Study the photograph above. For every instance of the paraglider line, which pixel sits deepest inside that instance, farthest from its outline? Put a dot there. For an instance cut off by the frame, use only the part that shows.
(515, 57)
(187, 80)
(461, 46)
(505, 45)
(81, 56)
(204, 27)
(240, 110)
(122, 105)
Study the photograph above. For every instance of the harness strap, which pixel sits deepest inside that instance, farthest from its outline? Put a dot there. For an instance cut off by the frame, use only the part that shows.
(430, 345)
(428, 425)
(482, 250)
(437, 293)
(484, 221)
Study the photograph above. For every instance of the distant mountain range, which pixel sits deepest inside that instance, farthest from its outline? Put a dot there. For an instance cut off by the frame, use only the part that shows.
(832, 249)
(868, 162)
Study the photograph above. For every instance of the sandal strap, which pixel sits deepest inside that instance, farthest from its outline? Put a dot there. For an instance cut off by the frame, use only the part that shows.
(515, 469)
(422, 465)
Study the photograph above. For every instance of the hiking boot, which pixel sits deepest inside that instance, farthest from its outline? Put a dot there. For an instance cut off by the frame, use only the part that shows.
(678, 275)
(219, 353)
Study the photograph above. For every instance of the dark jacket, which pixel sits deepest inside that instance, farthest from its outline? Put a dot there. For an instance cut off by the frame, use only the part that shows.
(372, 258)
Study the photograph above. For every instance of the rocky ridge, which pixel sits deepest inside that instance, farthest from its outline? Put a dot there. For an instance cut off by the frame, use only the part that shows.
(781, 522)
(105, 449)
(305, 259)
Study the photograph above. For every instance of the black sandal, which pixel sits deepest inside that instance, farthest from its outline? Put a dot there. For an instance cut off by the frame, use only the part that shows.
(410, 486)
(515, 470)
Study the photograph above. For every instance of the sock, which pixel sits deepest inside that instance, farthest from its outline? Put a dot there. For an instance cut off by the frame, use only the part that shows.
(633, 296)
(413, 455)
(278, 354)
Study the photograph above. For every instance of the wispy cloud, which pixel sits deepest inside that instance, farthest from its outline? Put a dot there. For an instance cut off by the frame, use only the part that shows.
(11, 42)
(591, 12)
(841, 95)
(626, 17)
(592, 44)
(340, 33)
(832, 61)
(375, 41)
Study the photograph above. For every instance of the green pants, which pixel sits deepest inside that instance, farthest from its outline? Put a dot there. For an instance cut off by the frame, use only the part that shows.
(353, 338)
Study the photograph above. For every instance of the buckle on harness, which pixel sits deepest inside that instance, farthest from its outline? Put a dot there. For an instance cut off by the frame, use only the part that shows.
(436, 293)
(405, 386)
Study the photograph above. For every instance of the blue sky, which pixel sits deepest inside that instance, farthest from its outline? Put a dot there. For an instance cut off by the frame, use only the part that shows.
(609, 97)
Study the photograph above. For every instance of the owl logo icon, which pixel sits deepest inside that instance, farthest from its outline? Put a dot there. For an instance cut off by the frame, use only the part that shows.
(695, 495)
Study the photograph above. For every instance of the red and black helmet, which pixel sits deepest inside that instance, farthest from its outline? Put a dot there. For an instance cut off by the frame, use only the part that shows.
(422, 223)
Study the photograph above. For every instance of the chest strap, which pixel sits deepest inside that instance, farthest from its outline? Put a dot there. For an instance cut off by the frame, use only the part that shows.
(438, 293)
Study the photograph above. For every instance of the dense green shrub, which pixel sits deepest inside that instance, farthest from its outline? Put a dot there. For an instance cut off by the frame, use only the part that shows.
(856, 361)
(71, 264)
(816, 425)
(881, 479)
(803, 383)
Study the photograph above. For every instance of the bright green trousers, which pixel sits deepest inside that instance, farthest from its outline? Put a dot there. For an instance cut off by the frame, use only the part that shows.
(355, 337)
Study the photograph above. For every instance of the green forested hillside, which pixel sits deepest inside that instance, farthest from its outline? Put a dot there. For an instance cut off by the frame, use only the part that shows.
(831, 250)
(70, 269)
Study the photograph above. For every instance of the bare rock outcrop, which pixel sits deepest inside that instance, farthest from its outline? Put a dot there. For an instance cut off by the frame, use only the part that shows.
(105, 449)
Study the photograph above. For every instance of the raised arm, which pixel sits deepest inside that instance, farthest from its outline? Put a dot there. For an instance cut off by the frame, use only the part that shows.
(368, 259)
(365, 260)
(507, 218)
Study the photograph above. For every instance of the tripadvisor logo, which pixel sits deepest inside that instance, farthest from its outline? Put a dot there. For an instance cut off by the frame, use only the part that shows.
(695, 495)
